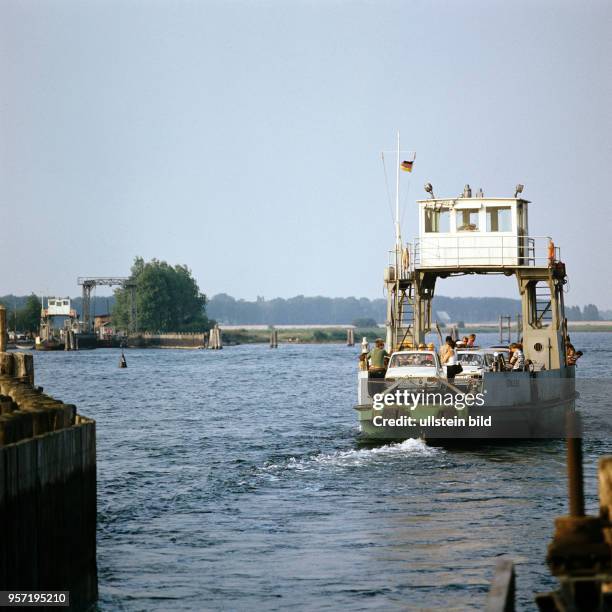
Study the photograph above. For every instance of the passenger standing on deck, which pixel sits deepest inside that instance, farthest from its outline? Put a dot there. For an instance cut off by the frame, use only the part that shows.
(446, 349)
(517, 361)
(471, 340)
(377, 367)
(448, 357)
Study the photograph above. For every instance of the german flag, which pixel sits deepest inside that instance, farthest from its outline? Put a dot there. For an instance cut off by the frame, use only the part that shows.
(406, 166)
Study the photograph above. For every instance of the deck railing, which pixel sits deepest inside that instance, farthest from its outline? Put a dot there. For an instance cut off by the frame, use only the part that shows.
(473, 251)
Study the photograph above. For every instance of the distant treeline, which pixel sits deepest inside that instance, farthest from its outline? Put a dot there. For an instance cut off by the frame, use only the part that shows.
(301, 310)
(313, 310)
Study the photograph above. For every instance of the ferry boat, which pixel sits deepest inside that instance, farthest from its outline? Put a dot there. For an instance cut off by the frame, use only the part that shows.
(416, 398)
(60, 328)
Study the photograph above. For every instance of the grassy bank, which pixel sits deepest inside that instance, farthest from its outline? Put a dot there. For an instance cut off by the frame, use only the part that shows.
(300, 336)
(337, 335)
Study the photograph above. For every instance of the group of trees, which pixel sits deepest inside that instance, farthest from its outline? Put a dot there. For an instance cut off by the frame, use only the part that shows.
(299, 310)
(26, 316)
(323, 310)
(168, 299)
(589, 313)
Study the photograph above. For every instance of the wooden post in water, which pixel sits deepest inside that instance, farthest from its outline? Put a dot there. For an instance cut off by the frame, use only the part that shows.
(215, 338)
(350, 337)
(501, 593)
(605, 494)
(274, 338)
(3, 331)
(605, 504)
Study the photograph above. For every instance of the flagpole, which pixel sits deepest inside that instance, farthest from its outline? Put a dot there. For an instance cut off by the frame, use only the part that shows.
(398, 238)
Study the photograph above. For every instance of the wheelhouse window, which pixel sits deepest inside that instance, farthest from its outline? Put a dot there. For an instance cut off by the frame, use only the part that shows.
(499, 219)
(467, 220)
(437, 221)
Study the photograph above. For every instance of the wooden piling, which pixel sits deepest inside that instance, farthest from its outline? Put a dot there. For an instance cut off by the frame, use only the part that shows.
(274, 338)
(7, 364)
(350, 337)
(605, 494)
(47, 489)
(215, 341)
(3, 329)
(501, 593)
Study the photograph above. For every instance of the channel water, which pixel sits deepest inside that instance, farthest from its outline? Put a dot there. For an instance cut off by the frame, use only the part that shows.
(233, 480)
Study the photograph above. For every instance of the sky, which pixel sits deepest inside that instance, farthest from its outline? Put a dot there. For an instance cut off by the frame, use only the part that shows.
(243, 139)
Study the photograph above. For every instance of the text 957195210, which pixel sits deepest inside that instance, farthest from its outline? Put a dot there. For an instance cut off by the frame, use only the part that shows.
(35, 598)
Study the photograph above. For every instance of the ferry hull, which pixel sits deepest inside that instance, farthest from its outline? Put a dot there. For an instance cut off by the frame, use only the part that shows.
(397, 423)
(49, 345)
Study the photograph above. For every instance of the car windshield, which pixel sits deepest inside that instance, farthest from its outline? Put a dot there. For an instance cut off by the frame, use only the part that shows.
(470, 359)
(408, 360)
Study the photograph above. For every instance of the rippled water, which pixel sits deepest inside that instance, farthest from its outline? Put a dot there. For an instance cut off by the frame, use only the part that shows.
(232, 480)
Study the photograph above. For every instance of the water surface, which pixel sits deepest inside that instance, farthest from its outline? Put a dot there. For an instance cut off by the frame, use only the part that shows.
(232, 480)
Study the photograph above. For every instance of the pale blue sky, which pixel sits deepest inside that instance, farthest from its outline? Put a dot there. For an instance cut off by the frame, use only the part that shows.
(243, 138)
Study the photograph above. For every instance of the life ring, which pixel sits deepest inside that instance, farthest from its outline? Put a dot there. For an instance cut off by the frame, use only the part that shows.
(551, 251)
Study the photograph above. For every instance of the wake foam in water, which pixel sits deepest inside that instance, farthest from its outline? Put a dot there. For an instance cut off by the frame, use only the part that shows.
(357, 457)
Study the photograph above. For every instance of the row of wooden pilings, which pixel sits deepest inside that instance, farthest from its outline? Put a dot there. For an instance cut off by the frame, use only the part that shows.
(350, 337)
(211, 340)
(47, 487)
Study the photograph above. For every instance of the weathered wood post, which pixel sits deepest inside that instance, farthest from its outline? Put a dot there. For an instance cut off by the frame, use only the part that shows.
(501, 593)
(605, 504)
(3, 332)
(215, 338)
(350, 337)
(274, 339)
(605, 494)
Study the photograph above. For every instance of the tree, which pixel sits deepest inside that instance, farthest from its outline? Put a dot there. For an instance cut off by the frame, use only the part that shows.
(168, 299)
(590, 313)
(26, 318)
(573, 313)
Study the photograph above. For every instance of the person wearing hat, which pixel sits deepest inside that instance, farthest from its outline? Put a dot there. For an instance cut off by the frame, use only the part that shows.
(377, 359)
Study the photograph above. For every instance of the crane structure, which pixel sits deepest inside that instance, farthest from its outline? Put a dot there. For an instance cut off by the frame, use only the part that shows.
(108, 281)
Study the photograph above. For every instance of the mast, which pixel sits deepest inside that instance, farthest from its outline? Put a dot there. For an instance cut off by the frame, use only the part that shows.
(398, 237)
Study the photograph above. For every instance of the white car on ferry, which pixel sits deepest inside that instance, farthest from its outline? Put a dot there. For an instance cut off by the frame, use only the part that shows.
(414, 365)
(476, 361)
